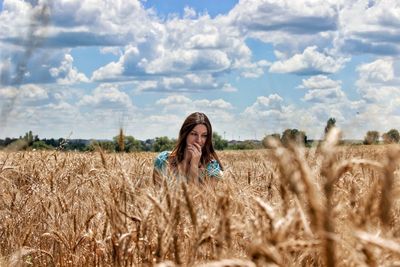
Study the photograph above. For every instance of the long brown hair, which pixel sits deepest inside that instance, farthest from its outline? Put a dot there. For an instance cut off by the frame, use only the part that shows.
(207, 154)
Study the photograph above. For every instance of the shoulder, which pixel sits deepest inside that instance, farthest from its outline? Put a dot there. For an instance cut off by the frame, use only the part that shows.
(214, 169)
(161, 159)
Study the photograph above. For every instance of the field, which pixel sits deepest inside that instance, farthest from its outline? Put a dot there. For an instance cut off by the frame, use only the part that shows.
(325, 206)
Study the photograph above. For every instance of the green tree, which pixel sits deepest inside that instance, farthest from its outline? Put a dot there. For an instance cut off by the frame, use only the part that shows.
(129, 144)
(108, 146)
(27, 141)
(132, 144)
(372, 137)
(275, 136)
(218, 142)
(243, 145)
(293, 136)
(330, 124)
(392, 136)
(41, 145)
(163, 143)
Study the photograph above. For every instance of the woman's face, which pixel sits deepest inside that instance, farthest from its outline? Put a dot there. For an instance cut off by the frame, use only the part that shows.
(197, 135)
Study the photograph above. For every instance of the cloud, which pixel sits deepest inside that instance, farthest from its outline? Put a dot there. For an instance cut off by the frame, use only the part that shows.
(179, 102)
(319, 82)
(40, 67)
(310, 62)
(185, 83)
(378, 82)
(229, 88)
(254, 70)
(287, 25)
(380, 70)
(66, 73)
(370, 28)
(27, 92)
(199, 45)
(321, 89)
(107, 96)
(174, 100)
(300, 17)
(270, 114)
(34, 51)
(154, 58)
(79, 23)
(265, 106)
(189, 12)
(213, 104)
(326, 95)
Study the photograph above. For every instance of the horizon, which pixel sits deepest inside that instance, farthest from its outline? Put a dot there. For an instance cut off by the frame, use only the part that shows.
(253, 67)
(145, 139)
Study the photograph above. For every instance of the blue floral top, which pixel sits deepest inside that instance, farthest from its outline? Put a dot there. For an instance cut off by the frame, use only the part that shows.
(213, 169)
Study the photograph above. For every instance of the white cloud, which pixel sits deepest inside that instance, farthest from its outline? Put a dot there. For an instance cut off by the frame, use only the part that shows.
(33, 91)
(325, 95)
(76, 23)
(199, 45)
(320, 82)
(179, 61)
(380, 70)
(183, 103)
(321, 89)
(110, 49)
(174, 100)
(309, 62)
(107, 96)
(378, 81)
(185, 83)
(73, 23)
(270, 114)
(66, 73)
(212, 104)
(266, 105)
(110, 71)
(227, 87)
(8, 92)
(299, 17)
(292, 25)
(370, 27)
(254, 70)
(30, 92)
(189, 12)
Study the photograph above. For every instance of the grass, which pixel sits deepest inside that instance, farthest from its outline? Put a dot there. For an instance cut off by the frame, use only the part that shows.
(326, 206)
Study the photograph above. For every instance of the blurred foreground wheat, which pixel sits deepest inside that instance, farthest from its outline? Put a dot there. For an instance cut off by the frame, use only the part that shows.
(330, 206)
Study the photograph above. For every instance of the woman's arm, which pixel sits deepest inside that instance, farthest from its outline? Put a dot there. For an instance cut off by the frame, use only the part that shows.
(160, 165)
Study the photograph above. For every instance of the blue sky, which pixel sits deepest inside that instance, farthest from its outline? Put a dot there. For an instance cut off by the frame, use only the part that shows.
(85, 68)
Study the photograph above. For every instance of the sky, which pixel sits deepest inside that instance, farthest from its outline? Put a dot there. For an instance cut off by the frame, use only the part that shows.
(85, 68)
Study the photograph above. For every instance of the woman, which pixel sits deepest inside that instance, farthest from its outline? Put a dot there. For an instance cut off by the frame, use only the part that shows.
(193, 157)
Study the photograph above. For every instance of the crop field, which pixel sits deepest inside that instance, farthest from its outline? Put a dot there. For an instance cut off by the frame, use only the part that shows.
(326, 206)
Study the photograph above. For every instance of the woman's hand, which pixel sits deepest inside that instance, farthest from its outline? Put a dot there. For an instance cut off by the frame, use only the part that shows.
(195, 153)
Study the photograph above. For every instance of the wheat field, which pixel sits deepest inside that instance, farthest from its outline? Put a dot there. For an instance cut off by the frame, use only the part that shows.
(326, 206)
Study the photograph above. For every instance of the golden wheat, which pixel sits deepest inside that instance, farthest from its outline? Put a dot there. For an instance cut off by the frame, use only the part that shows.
(288, 206)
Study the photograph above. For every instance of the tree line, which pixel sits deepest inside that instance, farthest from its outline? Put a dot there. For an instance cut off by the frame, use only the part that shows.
(390, 137)
(128, 143)
(119, 143)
